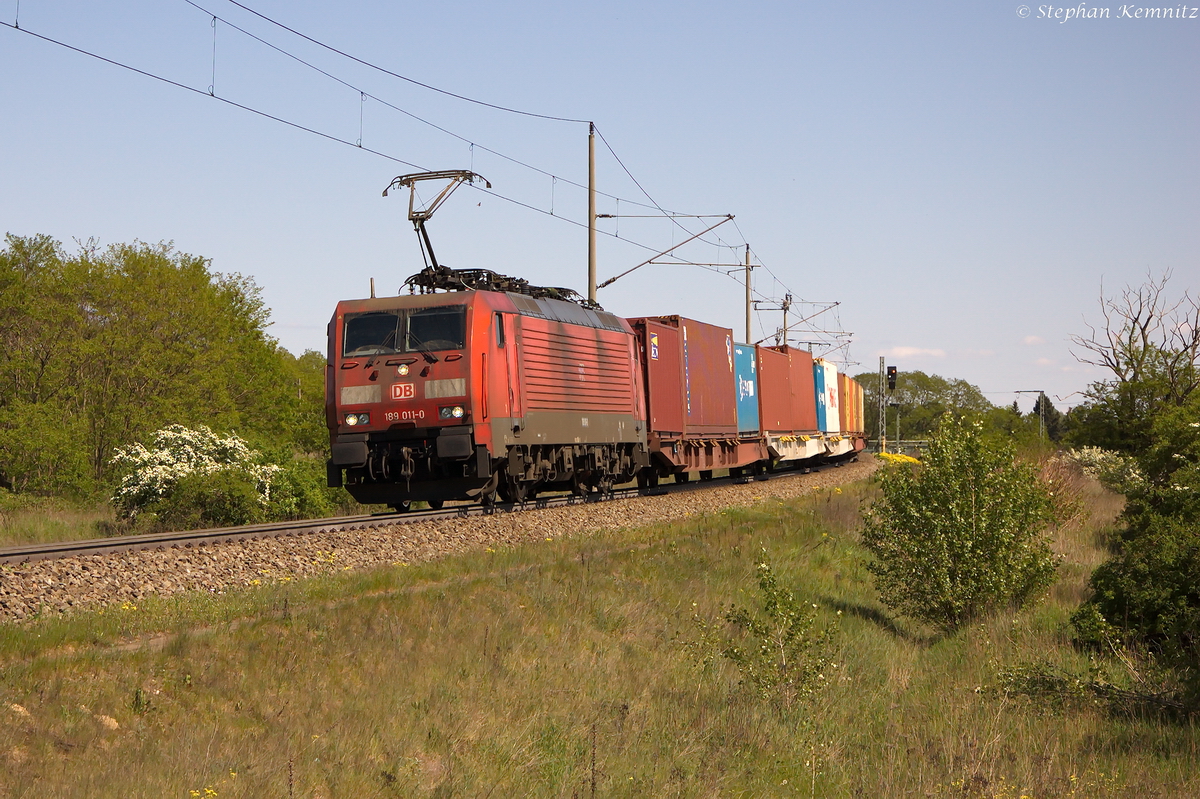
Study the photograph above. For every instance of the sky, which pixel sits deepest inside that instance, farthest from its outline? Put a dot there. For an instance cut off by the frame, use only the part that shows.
(963, 178)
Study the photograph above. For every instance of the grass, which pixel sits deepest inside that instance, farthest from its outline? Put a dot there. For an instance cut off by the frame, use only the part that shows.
(45, 521)
(560, 670)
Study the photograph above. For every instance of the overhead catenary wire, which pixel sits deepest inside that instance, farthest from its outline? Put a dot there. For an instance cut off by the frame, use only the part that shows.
(672, 216)
(369, 95)
(638, 183)
(413, 81)
(296, 125)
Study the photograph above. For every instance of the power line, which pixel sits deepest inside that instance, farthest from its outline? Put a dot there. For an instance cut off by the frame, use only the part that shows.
(204, 93)
(404, 77)
(295, 125)
(363, 93)
(672, 216)
(637, 183)
(463, 139)
(507, 109)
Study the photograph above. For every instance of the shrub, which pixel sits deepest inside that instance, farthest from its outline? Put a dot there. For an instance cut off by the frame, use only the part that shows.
(1148, 593)
(894, 458)
(1116, 472)
(777, 647)
(963, 533)
(221, 498)
(299, 491)
(176, 452)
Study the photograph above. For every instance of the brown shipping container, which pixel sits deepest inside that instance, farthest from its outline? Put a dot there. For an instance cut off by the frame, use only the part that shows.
(664, 369)
(845, 401)
(859, 416)
(775, 391)
(710, 391)
(851, 407)
(697, 378)
(804, 392)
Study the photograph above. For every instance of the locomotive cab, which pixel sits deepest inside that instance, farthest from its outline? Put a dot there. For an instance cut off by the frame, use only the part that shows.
(403, 399)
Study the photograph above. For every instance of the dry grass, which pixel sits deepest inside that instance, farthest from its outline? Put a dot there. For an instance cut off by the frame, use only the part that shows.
(557, 670)
(48, 521)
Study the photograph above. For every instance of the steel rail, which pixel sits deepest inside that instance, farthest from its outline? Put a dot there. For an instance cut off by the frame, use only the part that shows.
(29, 553)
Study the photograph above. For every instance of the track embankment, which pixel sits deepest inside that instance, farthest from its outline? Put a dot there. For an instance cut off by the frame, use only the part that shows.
(61, 586)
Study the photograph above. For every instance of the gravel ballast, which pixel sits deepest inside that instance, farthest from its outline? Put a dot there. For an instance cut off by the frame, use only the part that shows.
(88, 581)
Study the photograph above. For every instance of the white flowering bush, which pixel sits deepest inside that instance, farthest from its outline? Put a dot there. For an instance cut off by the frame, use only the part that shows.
(176, 453)
(1115, 471)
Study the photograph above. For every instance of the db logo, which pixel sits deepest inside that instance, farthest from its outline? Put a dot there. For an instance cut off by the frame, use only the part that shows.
(403, 391)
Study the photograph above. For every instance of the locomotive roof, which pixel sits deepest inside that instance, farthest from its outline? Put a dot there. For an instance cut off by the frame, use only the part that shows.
(569, 312)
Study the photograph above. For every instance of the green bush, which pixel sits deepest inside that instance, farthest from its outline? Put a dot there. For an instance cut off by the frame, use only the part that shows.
(1148, 593)
(222, 498)
(299, 491)
(963, 533)
(777, 647)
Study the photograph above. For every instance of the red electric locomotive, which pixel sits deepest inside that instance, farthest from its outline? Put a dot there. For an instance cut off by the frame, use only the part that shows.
(480, 392)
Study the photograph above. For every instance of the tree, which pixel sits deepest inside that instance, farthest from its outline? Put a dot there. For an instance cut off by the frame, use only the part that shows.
(1146, 593)
(98, 348)
(963, 533)
(923, 399)
(1151, 345)
(1149, 590)
(1050, 419)
(40, 324)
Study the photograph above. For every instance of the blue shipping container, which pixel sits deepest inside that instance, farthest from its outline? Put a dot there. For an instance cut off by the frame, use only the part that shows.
(825, 386)
(745, 367)
(819, 391)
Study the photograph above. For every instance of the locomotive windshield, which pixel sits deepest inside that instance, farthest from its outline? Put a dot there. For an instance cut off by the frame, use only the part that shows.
(417, 330)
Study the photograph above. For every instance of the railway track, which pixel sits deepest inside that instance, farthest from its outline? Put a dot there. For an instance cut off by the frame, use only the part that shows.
(30, 553)
(49, 580)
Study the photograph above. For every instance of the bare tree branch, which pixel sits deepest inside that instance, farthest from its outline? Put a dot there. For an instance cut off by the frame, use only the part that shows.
(1146, 338)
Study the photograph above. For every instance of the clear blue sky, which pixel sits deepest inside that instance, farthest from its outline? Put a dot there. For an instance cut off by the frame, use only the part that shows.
(959, 177)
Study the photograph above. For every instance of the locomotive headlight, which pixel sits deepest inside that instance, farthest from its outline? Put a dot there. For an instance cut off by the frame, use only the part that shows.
(353, 419)
(402, 369)
(451, 412)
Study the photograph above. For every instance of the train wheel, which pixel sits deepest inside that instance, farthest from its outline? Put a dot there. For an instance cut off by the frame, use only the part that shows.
(514, 491)
(706, 474)
(682, 477)
(436, 504)
(401, 507)
(647, 479)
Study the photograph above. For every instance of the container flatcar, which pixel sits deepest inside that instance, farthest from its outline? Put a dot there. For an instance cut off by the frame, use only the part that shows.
(691, 397)
(788, 404)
